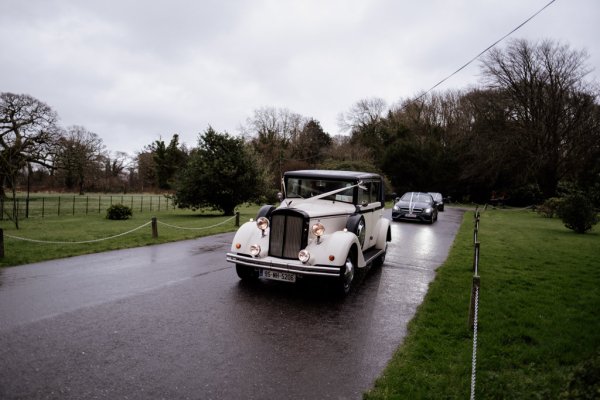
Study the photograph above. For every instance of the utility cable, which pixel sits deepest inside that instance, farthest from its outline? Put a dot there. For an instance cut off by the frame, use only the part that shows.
(484, 51)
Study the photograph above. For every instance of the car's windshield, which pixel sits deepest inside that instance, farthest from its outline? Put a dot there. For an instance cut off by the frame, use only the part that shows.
(309, 187)
(436, 196)
(416, 197)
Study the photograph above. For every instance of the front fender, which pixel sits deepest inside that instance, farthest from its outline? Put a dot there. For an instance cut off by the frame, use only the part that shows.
(338, 245)
(384, 233)
(247, 235)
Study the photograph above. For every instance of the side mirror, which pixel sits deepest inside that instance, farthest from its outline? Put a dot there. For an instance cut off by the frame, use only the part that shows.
(280, 196)
(397, 199)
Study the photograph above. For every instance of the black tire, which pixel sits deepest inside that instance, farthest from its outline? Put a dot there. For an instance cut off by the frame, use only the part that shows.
(246, 273)
(347, 277)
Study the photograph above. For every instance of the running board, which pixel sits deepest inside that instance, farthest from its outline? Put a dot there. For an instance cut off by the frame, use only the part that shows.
(372, 254)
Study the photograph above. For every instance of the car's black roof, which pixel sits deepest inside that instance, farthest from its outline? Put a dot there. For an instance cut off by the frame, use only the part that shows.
(332, 174)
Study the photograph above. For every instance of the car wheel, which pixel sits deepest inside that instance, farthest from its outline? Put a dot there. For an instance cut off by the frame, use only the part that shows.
(347, 277)
(246, 273)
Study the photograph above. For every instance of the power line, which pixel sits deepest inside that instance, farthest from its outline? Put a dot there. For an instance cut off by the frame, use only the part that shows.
(484, 51)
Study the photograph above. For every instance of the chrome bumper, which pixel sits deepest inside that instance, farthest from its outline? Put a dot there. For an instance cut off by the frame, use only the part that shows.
(283, 266)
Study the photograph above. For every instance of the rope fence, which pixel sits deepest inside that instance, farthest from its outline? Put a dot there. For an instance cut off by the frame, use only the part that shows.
(474, 305)
(202, 227)
(154, 222)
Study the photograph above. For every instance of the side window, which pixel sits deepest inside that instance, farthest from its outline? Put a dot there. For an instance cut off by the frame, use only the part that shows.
(371, 194)
(375, 188)
(364, 195)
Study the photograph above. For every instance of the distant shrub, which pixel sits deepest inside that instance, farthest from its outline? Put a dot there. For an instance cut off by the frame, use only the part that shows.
(550, 207)
(118, 211)
(578, 213)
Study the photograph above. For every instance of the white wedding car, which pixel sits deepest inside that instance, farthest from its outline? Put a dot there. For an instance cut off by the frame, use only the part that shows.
(329, 224)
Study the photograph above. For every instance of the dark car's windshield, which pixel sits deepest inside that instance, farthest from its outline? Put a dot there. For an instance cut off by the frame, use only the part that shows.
(436, 196)
(416, 197)
(305, 188)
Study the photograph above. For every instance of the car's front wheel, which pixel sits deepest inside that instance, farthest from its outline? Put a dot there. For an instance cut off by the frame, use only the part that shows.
(347, 276)
(246, 273)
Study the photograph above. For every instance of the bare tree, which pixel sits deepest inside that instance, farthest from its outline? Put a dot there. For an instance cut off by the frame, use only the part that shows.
(364, 121)
(273, 124)
(271, 132)
(548, 106)
(28, 133)
(363, 113)
(79, 156)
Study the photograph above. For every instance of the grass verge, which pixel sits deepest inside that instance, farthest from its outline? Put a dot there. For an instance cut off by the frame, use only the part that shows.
(82, 228)
(538, 316)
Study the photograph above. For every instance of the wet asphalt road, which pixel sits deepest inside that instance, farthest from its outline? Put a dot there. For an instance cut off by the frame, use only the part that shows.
(173, 321)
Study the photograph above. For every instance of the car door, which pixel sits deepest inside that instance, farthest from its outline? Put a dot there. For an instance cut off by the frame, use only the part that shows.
(371, 209)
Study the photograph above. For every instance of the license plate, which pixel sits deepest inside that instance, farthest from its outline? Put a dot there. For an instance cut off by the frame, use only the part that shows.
(411, 216)
(278, 276)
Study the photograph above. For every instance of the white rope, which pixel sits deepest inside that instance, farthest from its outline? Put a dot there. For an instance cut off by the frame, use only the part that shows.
(194, 229)
(79, 242)
(474, 360)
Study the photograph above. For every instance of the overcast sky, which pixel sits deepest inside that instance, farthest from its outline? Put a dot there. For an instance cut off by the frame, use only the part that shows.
(135, 71)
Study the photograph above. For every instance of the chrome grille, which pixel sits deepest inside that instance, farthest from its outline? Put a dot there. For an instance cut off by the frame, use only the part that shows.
(287, 235)
(415, 210)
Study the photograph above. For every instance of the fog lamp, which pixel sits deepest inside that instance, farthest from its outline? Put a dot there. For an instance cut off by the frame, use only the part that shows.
(254, 250)
(304, 256)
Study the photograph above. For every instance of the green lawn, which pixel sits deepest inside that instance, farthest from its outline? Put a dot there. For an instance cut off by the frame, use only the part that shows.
(538, 315)
(81, 228)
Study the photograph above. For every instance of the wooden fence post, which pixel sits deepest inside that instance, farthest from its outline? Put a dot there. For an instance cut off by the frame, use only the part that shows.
(476, 259)
(154, 228)
(237, 219)
(1, 243)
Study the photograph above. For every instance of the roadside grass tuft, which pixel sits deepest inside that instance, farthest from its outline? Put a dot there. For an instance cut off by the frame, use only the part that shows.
(539, 314)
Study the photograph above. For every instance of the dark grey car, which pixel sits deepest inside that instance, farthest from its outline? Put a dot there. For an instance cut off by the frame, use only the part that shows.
(415, 206)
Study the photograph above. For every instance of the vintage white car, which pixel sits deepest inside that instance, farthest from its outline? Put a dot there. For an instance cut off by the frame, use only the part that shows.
(329, 224)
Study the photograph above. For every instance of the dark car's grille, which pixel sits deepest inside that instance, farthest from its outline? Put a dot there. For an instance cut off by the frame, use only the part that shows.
(288, 234)
(415, 210)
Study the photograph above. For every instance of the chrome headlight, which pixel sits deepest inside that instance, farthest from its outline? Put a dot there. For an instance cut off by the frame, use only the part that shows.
(255, 250)
(262, 223)
(303, 255)
(428, 211)
(318, 229)
(396, 207)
